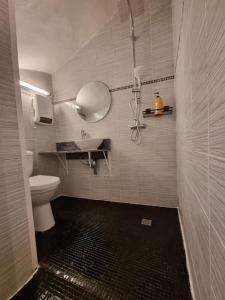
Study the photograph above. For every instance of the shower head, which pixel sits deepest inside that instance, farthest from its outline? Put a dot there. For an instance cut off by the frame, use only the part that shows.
(137, 7)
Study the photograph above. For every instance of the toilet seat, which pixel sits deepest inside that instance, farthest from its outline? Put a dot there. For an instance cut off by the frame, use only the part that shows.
(42, 182)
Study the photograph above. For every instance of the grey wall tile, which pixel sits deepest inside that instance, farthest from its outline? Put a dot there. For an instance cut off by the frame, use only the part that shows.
(200, 255)
(199, 42)
(218, 266)
(143, 174)
(216, 61)
(15, 248)
(161, 38)
(217, 190)
(198, 179)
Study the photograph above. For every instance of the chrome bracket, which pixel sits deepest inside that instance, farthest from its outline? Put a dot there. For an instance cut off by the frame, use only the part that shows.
(91, 163)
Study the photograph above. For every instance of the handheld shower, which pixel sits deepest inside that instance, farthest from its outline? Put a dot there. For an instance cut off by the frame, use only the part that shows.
(137, 75)
(135, 105)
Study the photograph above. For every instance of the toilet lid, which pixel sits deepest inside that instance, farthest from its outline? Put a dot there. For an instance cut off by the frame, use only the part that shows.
(41, 181)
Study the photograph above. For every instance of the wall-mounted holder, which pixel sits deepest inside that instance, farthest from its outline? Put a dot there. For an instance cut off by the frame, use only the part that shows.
(149, 112)
(91, 163)
(66, 151)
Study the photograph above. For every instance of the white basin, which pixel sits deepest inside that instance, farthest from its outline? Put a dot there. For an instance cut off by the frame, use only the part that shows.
(89, 144)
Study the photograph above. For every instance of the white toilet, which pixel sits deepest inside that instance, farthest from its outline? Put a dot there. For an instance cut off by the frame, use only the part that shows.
(43, 189)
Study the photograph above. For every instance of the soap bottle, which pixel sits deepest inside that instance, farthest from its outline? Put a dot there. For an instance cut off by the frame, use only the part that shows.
(158, 102)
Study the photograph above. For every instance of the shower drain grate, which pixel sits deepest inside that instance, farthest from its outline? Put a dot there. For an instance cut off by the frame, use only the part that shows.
(146, 222)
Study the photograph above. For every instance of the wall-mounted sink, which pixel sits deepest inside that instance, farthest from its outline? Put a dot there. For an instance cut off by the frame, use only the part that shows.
(89, 144)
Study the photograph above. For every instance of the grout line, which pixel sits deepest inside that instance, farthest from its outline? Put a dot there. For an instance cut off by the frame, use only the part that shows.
(217, 234)
(195, 277)
(179, 39)
(125, 87)
(198, 200)
(206, 154)
(209, 155)
(188, 260)
(208, 177)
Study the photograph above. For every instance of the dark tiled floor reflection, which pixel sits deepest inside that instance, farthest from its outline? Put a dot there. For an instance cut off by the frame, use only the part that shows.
(100, 250)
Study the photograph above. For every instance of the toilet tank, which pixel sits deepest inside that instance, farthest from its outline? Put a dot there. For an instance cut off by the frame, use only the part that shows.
(29, 162)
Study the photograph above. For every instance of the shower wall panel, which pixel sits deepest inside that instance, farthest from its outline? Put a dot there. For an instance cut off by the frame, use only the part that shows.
(144, 174)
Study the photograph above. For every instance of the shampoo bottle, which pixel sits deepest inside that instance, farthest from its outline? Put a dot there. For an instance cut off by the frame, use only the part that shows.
(158, 102)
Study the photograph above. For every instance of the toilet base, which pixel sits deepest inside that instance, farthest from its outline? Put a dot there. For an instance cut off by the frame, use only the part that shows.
(43, 217)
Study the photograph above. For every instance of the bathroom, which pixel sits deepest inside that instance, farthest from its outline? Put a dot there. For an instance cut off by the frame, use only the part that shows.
(112, 149)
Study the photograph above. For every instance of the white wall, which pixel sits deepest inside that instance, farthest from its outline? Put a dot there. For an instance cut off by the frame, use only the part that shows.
(50, 31)
(143, 174)
(199, 43)
(39, 79)
(38, 137)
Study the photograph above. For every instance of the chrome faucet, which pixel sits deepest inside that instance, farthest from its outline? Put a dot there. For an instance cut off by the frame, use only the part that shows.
(83, 134)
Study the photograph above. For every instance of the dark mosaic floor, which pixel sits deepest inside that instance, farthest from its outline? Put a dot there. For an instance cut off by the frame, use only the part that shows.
(100, 250)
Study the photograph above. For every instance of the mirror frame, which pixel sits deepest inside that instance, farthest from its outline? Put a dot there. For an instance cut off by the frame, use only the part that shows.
(107, 108)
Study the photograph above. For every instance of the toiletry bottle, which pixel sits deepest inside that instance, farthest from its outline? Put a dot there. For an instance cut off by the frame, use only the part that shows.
(158, 102)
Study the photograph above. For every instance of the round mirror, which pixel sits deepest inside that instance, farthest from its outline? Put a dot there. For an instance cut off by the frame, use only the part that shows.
(93, 101)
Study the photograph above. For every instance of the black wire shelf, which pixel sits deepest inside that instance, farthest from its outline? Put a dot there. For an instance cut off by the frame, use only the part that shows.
(149, 112)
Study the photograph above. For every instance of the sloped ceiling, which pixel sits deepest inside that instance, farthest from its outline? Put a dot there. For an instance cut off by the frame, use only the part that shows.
(49, 31)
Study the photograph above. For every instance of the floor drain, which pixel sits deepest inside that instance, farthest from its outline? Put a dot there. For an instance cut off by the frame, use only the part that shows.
(146, 222)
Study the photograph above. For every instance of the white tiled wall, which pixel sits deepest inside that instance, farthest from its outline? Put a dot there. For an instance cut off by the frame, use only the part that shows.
(199, 43)
(15, 247)
(144, 174)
